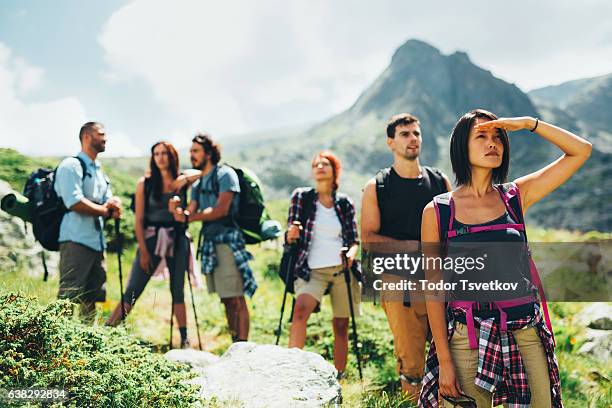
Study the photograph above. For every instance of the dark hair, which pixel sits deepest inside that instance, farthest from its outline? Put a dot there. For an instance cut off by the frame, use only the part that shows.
(173, 167)
(335, 164)
(210, 147)
(459, 148)
(87, 128)
(400, 119)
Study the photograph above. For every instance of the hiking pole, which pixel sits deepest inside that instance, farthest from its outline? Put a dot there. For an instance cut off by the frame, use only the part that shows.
(195, 314)
(347, 279)
(289, 275)
(171, 308)
(171, 316)
(44, 263)
(119, 250)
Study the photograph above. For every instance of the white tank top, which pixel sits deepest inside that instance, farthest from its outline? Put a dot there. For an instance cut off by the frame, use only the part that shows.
(326, 239)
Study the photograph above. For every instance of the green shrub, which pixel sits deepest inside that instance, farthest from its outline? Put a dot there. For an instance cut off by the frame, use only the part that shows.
(43, 346)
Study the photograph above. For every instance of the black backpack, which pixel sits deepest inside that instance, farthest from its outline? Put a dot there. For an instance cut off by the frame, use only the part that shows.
(46, 207)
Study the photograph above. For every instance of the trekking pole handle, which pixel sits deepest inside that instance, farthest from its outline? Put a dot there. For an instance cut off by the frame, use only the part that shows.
(299, 225)
(186, 222)
(343, 252)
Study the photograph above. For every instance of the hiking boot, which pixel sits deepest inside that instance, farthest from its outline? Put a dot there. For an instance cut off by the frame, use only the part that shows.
(341, 375)
(185, 344)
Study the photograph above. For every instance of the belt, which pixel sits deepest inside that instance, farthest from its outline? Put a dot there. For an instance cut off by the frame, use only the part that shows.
(505, 309)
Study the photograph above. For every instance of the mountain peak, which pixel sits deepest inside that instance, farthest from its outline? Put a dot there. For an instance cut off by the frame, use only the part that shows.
(461, 55)
(413, 48)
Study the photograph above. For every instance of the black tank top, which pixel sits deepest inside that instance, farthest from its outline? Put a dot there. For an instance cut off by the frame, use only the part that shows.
(505, 262)
(401, 201)
(157, 212)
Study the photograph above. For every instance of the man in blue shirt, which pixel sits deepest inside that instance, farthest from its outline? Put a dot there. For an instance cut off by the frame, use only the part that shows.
(214, 201)
(88, 197)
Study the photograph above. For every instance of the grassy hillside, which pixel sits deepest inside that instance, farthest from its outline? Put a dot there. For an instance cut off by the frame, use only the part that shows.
(583, 379)
(582, 384)
(15, 168)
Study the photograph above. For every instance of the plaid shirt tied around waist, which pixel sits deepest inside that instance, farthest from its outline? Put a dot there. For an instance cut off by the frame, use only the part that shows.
(235, 240)
(500, 367)
(345, 210)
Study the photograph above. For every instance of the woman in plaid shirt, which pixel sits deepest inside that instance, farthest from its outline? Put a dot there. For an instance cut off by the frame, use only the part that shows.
(483, 356)
(328, 225)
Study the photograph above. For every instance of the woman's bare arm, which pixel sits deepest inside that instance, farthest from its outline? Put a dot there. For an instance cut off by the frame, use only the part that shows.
(539, 184)
(436, 308)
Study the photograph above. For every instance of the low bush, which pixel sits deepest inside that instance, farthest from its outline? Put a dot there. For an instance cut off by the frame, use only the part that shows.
(45, 347)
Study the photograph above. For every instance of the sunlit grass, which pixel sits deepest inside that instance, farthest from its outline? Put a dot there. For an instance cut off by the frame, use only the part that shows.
(583, 379)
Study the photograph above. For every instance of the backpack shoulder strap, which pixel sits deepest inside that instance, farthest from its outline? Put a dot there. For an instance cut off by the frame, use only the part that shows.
(382, 182)
(444, 214)
(510, 195)
(437, 176)
(512, 200)
(344, 203)
(214, 180)
(308, 198)
(83, 167)
(343, 200)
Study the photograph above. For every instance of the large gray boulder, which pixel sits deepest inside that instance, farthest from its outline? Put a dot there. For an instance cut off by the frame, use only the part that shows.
(598, 344)
(198, 360)
(257, 376)
(596, 316)
(18, 249)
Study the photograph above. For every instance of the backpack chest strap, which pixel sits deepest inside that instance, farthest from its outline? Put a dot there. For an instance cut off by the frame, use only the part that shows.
(471, 230)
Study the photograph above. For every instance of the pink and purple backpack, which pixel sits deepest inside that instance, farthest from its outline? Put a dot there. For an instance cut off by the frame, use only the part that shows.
(445, 213)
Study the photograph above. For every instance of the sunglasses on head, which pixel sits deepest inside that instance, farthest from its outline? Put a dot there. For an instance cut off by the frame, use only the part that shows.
(463, 401)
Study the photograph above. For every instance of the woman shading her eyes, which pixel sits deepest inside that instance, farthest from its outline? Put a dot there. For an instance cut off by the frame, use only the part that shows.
(499, 352)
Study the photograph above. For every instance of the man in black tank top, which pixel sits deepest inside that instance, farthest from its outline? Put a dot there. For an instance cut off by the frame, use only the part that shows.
(391, 211)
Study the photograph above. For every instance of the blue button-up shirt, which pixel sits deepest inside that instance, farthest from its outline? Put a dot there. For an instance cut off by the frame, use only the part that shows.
(71, 188)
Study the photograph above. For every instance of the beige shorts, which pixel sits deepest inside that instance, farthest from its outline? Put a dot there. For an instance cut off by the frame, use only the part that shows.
(532, 352)
(226, 279)
(332, 277)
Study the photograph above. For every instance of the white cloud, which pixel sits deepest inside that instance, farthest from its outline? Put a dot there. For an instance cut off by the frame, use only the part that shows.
(234, 67)
(39, 127)
(244, 66)
(119, 144)
(43, 128)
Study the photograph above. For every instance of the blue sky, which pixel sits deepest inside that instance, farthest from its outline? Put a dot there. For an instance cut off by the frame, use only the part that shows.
(153, 69)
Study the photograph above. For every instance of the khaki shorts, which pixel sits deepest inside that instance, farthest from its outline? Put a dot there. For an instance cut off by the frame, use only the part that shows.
(532, 352)
(226, 279)
(82, 273)
(323, 278)
(409, 327)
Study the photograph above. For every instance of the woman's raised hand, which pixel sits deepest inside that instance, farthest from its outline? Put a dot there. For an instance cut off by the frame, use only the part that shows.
(508, 124)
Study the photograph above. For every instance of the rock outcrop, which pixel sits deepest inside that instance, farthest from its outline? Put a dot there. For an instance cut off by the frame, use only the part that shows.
(18, 249)
(257, 376)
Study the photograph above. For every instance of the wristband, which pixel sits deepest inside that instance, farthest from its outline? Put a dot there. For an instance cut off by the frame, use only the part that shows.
(536, 125)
